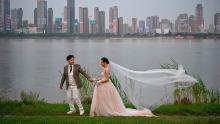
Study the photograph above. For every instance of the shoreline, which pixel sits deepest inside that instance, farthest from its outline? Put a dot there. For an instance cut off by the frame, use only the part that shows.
(108, 36)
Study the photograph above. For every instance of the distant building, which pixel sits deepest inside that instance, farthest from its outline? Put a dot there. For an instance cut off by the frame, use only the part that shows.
(165, 26)
(97, 20)
(19, 18)
(99, 17)
(5, 16)
(2, 18)
(102, 21)
(25, 24)
(14, 20)
(152, 24)
(134, 25)
(35, 17)
(42, 16)
(217, 22)
(182, 23)
(211, 28)
(70, 15)
(125, 29)
(199, 18)
(120, 26)
(192, 24)
(58, 25)
(142, 29)
(65, 14)
(113, 20)
(84, 20)
(50, 20)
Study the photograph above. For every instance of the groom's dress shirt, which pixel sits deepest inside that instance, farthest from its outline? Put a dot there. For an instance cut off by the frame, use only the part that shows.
(72, 81)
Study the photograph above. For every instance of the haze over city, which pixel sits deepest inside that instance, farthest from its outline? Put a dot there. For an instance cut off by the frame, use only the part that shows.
(140, 9)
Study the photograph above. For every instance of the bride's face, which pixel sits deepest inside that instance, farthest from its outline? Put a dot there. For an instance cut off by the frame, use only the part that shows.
(102, 63)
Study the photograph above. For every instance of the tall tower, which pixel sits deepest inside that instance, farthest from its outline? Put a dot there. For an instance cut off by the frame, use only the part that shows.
(102, 21)
(199, 18)
(134, 25)
(42, 15)
(84, 20)
(14, 20)
(50, 21)
(2, 18)
(97, 19)
(70, 15)
(217, 22)
(19, 18)
(5, 16)
(35, 17)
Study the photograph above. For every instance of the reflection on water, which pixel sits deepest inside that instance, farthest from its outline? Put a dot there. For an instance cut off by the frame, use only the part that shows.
(34, 64)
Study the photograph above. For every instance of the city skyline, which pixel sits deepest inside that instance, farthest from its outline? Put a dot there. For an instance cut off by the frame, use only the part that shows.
(163, 11)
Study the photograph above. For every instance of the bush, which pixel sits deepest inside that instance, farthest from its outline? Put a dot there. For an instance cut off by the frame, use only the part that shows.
(30, 98)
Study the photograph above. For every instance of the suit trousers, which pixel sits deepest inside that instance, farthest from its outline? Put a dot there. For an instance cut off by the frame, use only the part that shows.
(73, 96)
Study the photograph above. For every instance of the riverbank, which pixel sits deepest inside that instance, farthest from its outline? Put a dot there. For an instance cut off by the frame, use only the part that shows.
(12, 112)
(112, 36)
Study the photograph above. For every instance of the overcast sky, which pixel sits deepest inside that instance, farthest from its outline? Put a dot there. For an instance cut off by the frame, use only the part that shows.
(128, 8)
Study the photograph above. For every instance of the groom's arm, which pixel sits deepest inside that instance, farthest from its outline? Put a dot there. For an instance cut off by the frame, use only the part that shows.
(83, 72)
(63, 79)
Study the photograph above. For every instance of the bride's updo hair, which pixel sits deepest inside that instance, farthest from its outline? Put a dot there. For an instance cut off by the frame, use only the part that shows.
(104, 59)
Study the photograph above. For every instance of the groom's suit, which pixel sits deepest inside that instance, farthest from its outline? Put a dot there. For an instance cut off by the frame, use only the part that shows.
(77, 70)
(71, 75)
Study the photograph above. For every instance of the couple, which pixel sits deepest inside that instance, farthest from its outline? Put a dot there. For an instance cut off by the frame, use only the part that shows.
(106, 100)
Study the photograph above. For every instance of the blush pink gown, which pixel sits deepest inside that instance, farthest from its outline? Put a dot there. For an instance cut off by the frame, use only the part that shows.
(106, 101)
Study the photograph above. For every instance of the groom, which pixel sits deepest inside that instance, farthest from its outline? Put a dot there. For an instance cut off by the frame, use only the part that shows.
(71, 74)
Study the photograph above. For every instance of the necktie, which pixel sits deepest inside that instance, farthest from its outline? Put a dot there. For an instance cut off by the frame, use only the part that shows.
(71, 68)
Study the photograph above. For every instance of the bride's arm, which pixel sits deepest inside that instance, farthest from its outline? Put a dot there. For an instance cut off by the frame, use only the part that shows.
(107, 77)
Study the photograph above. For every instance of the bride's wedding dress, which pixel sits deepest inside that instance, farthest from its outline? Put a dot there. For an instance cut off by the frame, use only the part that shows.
(106, 101)
(147, 89)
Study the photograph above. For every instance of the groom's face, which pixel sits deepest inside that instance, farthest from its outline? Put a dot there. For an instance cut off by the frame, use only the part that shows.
(71, 61)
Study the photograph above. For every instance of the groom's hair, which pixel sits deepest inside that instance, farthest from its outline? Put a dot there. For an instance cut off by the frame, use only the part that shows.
(69, 57)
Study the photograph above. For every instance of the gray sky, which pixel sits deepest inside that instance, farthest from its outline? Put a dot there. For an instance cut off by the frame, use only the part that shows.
(128, 8)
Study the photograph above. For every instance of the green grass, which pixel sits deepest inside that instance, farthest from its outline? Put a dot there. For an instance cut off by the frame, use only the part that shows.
(15, 112)
(108, 120)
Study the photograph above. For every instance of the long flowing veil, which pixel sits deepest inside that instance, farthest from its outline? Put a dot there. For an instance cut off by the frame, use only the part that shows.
(149, 89)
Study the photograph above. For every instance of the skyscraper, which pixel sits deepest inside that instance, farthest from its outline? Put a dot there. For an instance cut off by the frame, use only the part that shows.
(199, 18)
(42, 15)
(19, 18)
(182, 23)
(113, 20)
(58, 25)
(65, 14)
(35, 17)
(84, 20)
(155, 23)
(141, 29)
(102, 22)
(97, 19)
(165, 26)
(5, 16)
(2, 18)
(134, 25)
(217, 22)
(50, 21)
(192, 24)
(70, 15)
(14, 20)
(120, 26)
(110, 19)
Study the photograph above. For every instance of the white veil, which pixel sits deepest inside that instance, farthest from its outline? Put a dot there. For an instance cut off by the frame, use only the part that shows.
(149, 89)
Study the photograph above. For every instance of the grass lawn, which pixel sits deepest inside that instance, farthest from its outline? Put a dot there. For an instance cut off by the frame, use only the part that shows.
(13, 112)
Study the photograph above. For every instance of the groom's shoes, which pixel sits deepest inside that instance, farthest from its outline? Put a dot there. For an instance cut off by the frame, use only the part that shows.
(81, 112)
(71, 112)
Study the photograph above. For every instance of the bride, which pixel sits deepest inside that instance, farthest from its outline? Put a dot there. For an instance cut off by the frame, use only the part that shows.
(106, 100)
